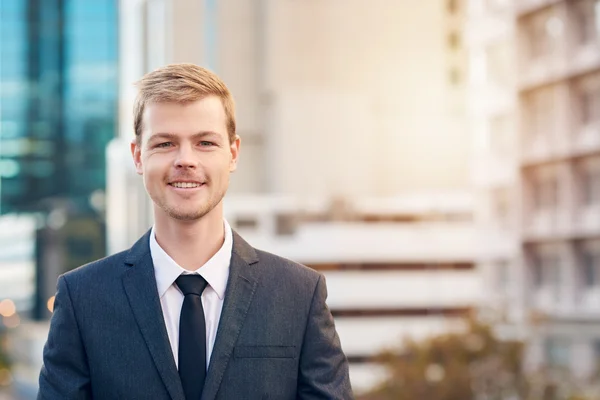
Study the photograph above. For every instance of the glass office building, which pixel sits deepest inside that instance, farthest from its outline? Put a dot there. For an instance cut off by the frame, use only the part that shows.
(58, 111)
(58, 87)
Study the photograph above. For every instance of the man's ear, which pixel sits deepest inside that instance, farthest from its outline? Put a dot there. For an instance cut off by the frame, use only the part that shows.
(136, 153)
(234, 147)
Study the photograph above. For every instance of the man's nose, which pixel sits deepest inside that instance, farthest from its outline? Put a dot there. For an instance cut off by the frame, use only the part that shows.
(185, 157)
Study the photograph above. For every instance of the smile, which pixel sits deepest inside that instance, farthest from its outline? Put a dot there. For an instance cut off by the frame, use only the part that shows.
(185, 185)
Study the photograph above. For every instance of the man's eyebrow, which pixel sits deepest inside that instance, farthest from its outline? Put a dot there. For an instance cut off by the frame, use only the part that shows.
(168, 135)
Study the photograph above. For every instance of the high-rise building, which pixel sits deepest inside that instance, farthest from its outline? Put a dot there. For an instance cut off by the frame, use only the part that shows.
(536, 103)
(349, 121)
(58, 111)
(58, 95)
(493, 110)
(558, 48)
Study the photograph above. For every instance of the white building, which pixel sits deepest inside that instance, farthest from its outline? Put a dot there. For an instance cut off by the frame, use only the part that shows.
(493, 111)
(541, 199)
(559, 102)
(345, 113)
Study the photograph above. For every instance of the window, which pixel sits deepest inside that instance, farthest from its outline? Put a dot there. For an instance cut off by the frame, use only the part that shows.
(597, 16)
(452, 6)
(589, 102)
(585, 14)
(285, 224)
(596, 347)
(454, 41)
(538, 41)
(558, 351)
(546, 271)
(500, 135)
(499, 64)
(540, 111)
(455, 76)
(494, 6)
(590, 265)
(537, 273)
(590, 185)
(501, 199)
(590, 270)
(246, 223)
(545, 193)
(502, 275)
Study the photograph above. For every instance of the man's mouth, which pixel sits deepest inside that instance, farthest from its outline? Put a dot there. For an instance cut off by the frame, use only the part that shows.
(185, 185)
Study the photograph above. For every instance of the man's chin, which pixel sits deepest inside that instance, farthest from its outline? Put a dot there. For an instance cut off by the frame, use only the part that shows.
(188, 213)
(186, 216)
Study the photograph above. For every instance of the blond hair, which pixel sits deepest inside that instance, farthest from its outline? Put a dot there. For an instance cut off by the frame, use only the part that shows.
(181, 83)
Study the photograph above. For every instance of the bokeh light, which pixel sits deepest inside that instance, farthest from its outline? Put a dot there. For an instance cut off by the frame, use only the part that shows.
(7, 308)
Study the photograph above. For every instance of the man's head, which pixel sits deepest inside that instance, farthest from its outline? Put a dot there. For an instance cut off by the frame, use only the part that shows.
(185, 145)
(181, 83)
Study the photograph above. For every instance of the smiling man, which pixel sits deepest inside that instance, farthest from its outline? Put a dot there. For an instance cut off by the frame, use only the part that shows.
(191, 311)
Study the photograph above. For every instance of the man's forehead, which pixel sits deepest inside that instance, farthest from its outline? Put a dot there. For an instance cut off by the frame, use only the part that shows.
(212, 101)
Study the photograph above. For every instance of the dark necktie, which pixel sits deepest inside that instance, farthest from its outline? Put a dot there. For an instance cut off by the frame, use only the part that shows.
(192, 336)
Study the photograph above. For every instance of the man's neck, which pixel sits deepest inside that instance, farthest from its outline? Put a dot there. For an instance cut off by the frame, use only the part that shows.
(190, 243)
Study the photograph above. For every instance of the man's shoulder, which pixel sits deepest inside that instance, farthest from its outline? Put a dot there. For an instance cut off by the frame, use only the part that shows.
(287, 268)
(98, 269)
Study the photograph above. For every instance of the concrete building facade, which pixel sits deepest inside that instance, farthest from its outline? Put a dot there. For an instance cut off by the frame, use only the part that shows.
(540, 202)
(493, 113)
(559, 159)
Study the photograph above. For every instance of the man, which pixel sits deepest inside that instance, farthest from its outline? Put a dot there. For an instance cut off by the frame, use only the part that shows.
(191, 311)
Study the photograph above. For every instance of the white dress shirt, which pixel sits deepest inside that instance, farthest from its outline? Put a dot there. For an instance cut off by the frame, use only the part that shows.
(215, 272)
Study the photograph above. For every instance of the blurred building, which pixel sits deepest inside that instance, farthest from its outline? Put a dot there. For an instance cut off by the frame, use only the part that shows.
(58, 96)
(17, 266)
(334, 98)
(58, 104)
(353, 154)
(538, 169)
(558, 45)
(58, 88)
(493, 112)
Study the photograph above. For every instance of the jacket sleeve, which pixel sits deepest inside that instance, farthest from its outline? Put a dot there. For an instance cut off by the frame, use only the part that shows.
(323, 365)
(65, 372)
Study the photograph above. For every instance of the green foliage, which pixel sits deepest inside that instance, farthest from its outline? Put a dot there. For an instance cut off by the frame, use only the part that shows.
(473, 364)
(4, 360)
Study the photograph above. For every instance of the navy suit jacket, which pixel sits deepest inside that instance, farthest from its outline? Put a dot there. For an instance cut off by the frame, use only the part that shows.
(276, 337)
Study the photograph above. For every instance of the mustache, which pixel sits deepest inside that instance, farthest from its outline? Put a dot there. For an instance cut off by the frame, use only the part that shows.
(187, 177)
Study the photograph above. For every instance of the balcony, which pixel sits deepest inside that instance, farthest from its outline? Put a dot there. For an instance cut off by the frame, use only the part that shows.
(491, 170)
(587, 221)
(525, 7)
(360, 337)
(545, 225)
(587, 139)
(397, 290)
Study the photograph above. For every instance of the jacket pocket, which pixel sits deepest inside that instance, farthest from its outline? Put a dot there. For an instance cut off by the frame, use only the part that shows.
(264, 352)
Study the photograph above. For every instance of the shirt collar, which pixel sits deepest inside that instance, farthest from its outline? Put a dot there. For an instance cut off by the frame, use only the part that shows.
(215, 271)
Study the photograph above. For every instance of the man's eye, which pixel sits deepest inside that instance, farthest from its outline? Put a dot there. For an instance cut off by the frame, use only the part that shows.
(164, 144)
(206, 143)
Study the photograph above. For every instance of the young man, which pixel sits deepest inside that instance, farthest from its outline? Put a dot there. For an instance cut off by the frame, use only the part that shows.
(191, 311)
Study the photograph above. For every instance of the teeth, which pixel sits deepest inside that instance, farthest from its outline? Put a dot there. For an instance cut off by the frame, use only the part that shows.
(185, 185)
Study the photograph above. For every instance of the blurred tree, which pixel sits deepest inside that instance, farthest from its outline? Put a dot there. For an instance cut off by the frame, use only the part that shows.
(474, 364)
(4, 360)
(3, 353)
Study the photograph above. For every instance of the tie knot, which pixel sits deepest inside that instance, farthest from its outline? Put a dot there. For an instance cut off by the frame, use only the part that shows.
(191, 284)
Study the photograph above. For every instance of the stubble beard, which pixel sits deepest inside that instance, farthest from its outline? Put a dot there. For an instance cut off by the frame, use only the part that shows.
(181, 214)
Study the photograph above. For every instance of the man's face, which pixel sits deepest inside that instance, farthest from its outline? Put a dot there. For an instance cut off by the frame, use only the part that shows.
(185, 157)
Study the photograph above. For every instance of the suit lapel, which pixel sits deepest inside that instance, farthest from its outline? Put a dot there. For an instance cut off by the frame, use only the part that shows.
(140, 286)
(242, 283)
